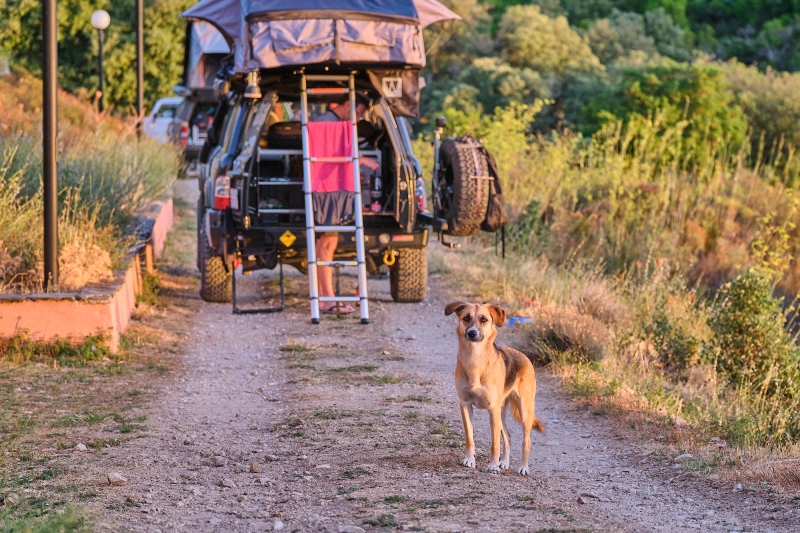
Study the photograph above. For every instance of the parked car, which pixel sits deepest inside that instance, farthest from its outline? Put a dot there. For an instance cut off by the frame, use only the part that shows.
(156, 124)
(189, 128)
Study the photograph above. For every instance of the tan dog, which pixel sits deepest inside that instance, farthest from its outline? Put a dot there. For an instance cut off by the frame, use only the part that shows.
(494, 379)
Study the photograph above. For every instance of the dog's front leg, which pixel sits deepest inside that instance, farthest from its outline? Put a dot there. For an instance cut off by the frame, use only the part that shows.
(496, 425)
(466, 417)
(505, 462)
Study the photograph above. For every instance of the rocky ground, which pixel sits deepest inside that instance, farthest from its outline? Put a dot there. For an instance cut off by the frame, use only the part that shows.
(275, 424)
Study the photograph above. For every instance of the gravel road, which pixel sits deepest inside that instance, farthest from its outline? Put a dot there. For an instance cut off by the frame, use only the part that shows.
(275, 424)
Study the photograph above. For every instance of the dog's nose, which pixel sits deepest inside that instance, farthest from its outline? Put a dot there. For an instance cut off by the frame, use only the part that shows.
(472, 333)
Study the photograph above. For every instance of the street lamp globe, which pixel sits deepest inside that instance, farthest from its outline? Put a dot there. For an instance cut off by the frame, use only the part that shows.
(100, 19)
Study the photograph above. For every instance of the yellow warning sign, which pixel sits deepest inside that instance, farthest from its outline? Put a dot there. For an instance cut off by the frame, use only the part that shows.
(288, 239)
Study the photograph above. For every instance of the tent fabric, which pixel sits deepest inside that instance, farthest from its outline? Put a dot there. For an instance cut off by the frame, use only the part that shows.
(398, 10)
(204, 40)
(430, 12)
(302, 42)
(277, 33)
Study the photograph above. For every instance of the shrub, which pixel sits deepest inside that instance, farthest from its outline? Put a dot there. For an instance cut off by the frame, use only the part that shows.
(750, 345)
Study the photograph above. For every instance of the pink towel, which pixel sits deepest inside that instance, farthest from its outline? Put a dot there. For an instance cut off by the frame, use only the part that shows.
(331, 139)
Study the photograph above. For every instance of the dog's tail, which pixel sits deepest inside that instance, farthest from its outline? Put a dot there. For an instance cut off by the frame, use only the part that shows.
(537, 425)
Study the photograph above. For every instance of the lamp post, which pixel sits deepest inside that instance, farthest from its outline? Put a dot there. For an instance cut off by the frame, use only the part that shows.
(100, 20)
(49, 130)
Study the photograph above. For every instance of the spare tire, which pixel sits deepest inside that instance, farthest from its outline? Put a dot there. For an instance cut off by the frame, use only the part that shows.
(463, 186)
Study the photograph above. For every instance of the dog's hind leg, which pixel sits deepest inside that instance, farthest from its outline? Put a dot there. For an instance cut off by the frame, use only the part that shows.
(505, 461)
(466, 417)
(528, 417)
(496, 426)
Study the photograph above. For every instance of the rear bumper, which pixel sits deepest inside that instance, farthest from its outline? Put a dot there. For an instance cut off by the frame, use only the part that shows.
(290, 241)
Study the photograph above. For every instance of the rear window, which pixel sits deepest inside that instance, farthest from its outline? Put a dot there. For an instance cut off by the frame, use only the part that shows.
(166, 111)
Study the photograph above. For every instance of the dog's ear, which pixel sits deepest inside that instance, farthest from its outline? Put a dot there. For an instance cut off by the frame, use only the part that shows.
(498, 315)
(453, 307)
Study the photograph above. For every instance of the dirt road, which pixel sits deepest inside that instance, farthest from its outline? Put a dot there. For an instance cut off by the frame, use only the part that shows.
(275, 424)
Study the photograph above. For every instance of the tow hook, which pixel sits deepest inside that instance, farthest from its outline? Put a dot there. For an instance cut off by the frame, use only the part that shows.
(389, 257)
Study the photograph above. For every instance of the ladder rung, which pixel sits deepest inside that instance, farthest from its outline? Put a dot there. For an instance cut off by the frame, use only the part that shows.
(267, 182)
(328, 90)
(282, 211)
(330, 159)
(337, 263)
(334, 228)
(327, 77)
(339, 298)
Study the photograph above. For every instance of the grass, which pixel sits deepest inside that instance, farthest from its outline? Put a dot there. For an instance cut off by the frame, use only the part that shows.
(29, 517)
(384, 520)
(21, 349)
(106, 177)
(356, 472)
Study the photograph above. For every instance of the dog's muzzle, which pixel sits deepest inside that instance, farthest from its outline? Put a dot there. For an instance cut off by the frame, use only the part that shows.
(473, 335)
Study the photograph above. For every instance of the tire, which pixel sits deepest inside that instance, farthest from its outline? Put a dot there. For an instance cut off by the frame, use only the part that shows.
(464, 191)
(408, 277)
(215, 278)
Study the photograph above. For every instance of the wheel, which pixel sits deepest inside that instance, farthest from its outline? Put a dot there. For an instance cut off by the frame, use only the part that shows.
(408, 277)
(464, 191)
(215, 279)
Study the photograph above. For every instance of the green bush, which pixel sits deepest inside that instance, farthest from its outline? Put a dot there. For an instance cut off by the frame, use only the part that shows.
(750, 345)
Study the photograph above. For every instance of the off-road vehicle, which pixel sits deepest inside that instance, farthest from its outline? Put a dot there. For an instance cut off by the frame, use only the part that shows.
(252, 211)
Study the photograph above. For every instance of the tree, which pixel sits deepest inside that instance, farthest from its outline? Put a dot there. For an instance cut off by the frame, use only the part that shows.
(544, 44)
(618, 35)
(20, 33)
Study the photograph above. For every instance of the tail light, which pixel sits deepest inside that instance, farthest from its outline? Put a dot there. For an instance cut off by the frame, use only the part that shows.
(222, 192)
(419, 192)
(184, 136)
(210, 121)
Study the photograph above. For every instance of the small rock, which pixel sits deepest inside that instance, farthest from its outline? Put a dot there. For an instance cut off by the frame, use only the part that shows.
(81, 447)
(737, 487)
(411, 338)
(255, 468)
(683, 457)
(115, 479)
(585, 499)
(268, 458)
(133, 499)
(228, 483)
(589, 495)
(718, 442)
(473, 521)
(324, 466)
(11, 499)
(187, 442)
(385, 352)
(278, 525)
(189, 476)
(350, 529)
(218, 460)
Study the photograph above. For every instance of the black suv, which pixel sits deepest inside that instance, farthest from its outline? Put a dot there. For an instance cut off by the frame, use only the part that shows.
(241, 171)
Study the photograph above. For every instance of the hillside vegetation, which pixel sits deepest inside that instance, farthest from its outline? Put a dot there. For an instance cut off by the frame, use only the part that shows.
(105, 177)
(652, 192)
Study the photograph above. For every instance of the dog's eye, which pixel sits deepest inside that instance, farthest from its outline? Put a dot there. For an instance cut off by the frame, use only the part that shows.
(483, 320)
(467, 318)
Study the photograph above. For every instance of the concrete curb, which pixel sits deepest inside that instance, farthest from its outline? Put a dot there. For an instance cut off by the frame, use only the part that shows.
(100, 308)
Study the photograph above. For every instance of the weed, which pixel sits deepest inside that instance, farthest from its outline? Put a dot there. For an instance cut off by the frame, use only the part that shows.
(297, 348)
(356, 472)
(21, 349)
(563, 513)
(151, 286)
(355, 368)
(411, 415)
(393, 499)
(384, 520)
(383, 380)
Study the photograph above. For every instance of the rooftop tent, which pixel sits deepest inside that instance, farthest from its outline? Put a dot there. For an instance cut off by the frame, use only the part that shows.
(206, 47)
(275, 33)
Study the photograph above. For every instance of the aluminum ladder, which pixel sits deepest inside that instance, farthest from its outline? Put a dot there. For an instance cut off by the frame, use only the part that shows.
(311, 229)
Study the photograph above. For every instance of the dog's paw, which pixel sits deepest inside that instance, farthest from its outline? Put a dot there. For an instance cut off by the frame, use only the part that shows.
(469, 462)
(495, 469)
(505, 464)
(523, 471)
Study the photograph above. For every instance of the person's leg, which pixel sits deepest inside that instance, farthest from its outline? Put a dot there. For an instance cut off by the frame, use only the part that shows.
(326, 247)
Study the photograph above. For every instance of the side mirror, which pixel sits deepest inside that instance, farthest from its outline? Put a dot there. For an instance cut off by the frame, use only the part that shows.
(441, 122)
